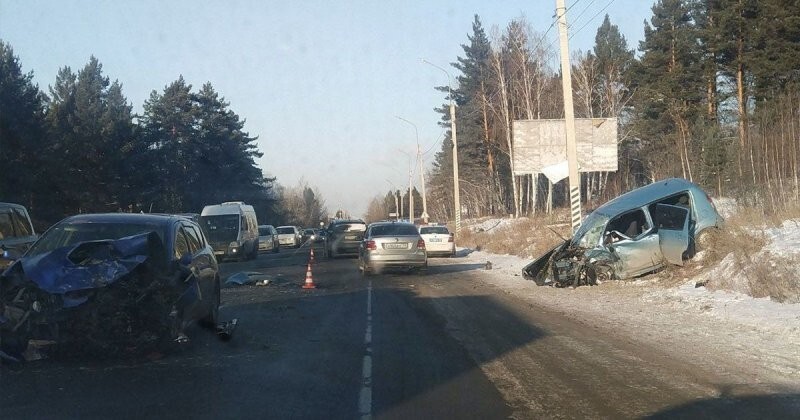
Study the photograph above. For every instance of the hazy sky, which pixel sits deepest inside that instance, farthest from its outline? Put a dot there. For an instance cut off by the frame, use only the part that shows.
(319, 82)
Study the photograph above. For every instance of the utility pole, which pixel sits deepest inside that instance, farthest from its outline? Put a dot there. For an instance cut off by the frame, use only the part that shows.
(456, 192)
(569, 118)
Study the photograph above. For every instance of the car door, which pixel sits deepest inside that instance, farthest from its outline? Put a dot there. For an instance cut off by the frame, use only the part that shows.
(203, 262)
(632, 238)
(673, 231)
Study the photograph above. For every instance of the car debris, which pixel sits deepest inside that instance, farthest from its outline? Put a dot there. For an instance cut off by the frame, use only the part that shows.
(225, 329)
(636, 233)
(101, 296)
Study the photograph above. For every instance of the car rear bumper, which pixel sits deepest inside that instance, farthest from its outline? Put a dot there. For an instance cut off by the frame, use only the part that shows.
(417, 259)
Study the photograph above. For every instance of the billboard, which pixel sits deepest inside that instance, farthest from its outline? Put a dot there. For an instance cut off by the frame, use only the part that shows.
(540, 144)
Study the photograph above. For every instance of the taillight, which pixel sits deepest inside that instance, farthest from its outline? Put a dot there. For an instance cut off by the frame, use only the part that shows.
(421, 244)
(372, 246)
(450, 239)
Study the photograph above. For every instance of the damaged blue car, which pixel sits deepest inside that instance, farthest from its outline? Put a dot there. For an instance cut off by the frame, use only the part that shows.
(111, 281)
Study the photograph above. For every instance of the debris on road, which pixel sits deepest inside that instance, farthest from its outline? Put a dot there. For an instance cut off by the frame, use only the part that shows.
(225, 329)
(247, 278)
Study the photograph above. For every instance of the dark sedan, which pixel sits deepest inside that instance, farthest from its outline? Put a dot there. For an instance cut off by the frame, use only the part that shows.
(110, 278)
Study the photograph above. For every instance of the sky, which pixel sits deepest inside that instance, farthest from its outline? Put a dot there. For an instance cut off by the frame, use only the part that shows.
(320, 83)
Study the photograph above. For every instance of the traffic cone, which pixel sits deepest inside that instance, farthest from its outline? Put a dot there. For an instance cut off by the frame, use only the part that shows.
(312, 255)
(309, 279)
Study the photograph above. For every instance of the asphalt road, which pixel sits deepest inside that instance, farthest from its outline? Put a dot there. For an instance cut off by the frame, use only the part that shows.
(439, 345)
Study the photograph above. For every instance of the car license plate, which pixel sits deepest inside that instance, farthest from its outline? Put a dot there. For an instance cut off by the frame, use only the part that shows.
(350, 237)
(396, 245)
(435, 240)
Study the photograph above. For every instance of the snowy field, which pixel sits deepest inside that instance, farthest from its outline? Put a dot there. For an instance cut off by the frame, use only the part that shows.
(716, 326)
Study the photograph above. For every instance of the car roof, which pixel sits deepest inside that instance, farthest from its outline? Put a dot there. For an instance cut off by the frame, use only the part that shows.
(392, 223)
(156, 219)
(341, 221)
(643, 196)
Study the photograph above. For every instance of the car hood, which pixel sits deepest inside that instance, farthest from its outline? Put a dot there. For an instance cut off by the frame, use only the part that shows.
(88, 265)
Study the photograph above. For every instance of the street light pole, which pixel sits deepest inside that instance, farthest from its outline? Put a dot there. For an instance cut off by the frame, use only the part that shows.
(424, 215)
(410, 192)
(456, 190)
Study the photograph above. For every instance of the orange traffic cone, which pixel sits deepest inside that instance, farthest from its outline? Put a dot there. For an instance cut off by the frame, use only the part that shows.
(309, 279)
(312, 255)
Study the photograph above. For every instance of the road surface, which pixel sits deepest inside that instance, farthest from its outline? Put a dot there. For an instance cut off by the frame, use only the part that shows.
(443, 344)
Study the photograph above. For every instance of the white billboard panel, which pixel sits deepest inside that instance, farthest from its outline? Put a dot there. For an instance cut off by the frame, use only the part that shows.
(543, 143)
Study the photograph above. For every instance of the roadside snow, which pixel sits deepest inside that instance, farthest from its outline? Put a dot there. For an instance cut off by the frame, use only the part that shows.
(717, 326)
(490, 224)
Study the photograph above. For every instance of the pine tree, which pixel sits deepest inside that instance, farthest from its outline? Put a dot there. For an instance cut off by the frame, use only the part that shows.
(669, 89)
(21, 132)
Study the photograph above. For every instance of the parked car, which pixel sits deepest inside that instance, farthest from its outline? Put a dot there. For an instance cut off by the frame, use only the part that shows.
(634, 234)
(344, 237)
(438, 240)
(232, 229)
(268, 239)
(289, 236)
(391, 245)
(16, 233)
(113, 278)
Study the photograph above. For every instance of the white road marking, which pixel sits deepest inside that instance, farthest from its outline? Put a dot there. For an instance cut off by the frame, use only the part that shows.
(365, 396)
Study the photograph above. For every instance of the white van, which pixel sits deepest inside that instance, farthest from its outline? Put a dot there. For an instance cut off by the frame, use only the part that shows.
(231, 229)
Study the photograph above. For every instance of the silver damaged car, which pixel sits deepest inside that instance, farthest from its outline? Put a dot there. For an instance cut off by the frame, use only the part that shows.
(634, 234)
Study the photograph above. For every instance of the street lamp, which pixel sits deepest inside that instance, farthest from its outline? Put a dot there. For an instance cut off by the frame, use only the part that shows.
(410, 195)
(456, 192)
(421, 172)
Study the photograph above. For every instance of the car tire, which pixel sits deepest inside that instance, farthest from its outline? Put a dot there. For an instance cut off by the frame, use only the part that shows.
(212, 319)
(276, 248)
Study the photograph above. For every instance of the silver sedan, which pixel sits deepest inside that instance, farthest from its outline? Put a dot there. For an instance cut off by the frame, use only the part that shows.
(391, 245)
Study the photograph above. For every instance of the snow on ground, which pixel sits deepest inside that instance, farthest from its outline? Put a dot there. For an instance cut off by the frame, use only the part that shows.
(717, 327)
(490, 224)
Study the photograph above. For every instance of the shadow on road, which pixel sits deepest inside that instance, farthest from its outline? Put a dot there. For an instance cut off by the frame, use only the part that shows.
(776, 406)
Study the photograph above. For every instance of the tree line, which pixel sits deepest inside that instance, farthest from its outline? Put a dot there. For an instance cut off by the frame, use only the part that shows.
(711, 95)
(79, 148)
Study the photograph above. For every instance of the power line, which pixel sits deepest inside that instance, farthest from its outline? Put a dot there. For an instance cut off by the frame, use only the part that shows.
(580, 14)
(592, 18)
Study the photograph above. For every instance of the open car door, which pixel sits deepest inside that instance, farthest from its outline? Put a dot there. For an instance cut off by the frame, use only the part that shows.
(673, 231)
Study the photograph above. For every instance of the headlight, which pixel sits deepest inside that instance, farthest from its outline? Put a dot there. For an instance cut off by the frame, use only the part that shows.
(234, 247)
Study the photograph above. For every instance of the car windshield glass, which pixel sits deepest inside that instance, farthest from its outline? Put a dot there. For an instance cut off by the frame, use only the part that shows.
(285, 230)
(588, 236)
(222, 228)
(72, 233)
(394, 230)
(262, 231)
(433, 229)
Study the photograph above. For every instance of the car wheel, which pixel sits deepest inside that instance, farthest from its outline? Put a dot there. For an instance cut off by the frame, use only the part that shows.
(276, 248)
(706, 239)
(212, 319)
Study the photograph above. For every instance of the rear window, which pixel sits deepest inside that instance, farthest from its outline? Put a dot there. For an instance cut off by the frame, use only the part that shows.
(434, 229)
(394, 230)
(349, 227)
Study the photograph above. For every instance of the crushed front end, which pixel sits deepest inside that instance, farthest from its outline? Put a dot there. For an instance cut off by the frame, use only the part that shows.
(570, 265)
(100, 296)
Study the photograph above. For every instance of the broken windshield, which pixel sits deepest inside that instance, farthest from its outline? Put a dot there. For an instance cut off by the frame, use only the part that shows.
(588, 235)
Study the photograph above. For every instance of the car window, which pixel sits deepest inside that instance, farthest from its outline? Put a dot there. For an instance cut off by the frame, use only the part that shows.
(285, 230)
(263, 231)
(181, 244)
(425, 230)
(195, 243)
(670, 217)
(22, 226)
(348, 227)
(393, 230)
(6, 227)
(631, 224)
